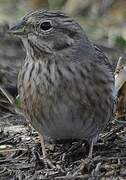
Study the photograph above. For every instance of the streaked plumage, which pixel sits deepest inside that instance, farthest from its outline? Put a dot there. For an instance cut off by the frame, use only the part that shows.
(66, 83)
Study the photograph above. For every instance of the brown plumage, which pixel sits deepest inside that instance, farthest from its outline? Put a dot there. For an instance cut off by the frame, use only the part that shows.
(66, 83)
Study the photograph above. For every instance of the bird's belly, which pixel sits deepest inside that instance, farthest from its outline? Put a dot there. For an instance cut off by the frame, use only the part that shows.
(69, 130)
(61, 118)
(65, 121)
(65, 112)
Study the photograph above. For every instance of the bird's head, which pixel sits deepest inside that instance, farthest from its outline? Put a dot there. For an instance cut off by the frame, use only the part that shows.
(52, 32)
(47, 32)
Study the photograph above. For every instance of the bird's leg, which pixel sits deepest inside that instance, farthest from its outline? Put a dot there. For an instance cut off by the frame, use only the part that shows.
(46, 160)
(91, 149)
(87, 161)
(42, 146)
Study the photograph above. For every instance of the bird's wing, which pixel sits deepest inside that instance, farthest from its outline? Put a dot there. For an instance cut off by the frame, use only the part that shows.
(103, 58)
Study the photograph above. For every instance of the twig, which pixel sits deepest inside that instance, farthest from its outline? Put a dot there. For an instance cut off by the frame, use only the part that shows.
(6, 116)
(12, 150)
(7, 95)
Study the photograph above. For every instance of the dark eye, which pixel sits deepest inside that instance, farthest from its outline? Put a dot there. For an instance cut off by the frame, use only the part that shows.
(45, 26)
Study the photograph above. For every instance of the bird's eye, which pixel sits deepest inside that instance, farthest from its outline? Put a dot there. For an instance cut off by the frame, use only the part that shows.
(45, 26)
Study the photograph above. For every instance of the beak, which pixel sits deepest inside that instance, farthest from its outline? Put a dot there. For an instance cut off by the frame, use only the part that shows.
(18, 29)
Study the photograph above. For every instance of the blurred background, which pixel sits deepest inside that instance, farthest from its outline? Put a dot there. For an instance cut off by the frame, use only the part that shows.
(103, 20)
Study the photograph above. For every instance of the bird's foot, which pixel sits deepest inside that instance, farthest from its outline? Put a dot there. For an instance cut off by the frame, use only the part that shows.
(48, 163)
(41, 161)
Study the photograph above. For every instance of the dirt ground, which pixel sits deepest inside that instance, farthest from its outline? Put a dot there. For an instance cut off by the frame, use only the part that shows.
(20, 151)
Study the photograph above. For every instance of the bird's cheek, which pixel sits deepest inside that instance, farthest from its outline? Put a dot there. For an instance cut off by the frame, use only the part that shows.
(32, 37)
(63, 43)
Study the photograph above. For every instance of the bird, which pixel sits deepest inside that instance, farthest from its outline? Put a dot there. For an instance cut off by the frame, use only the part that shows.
(66, 82)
